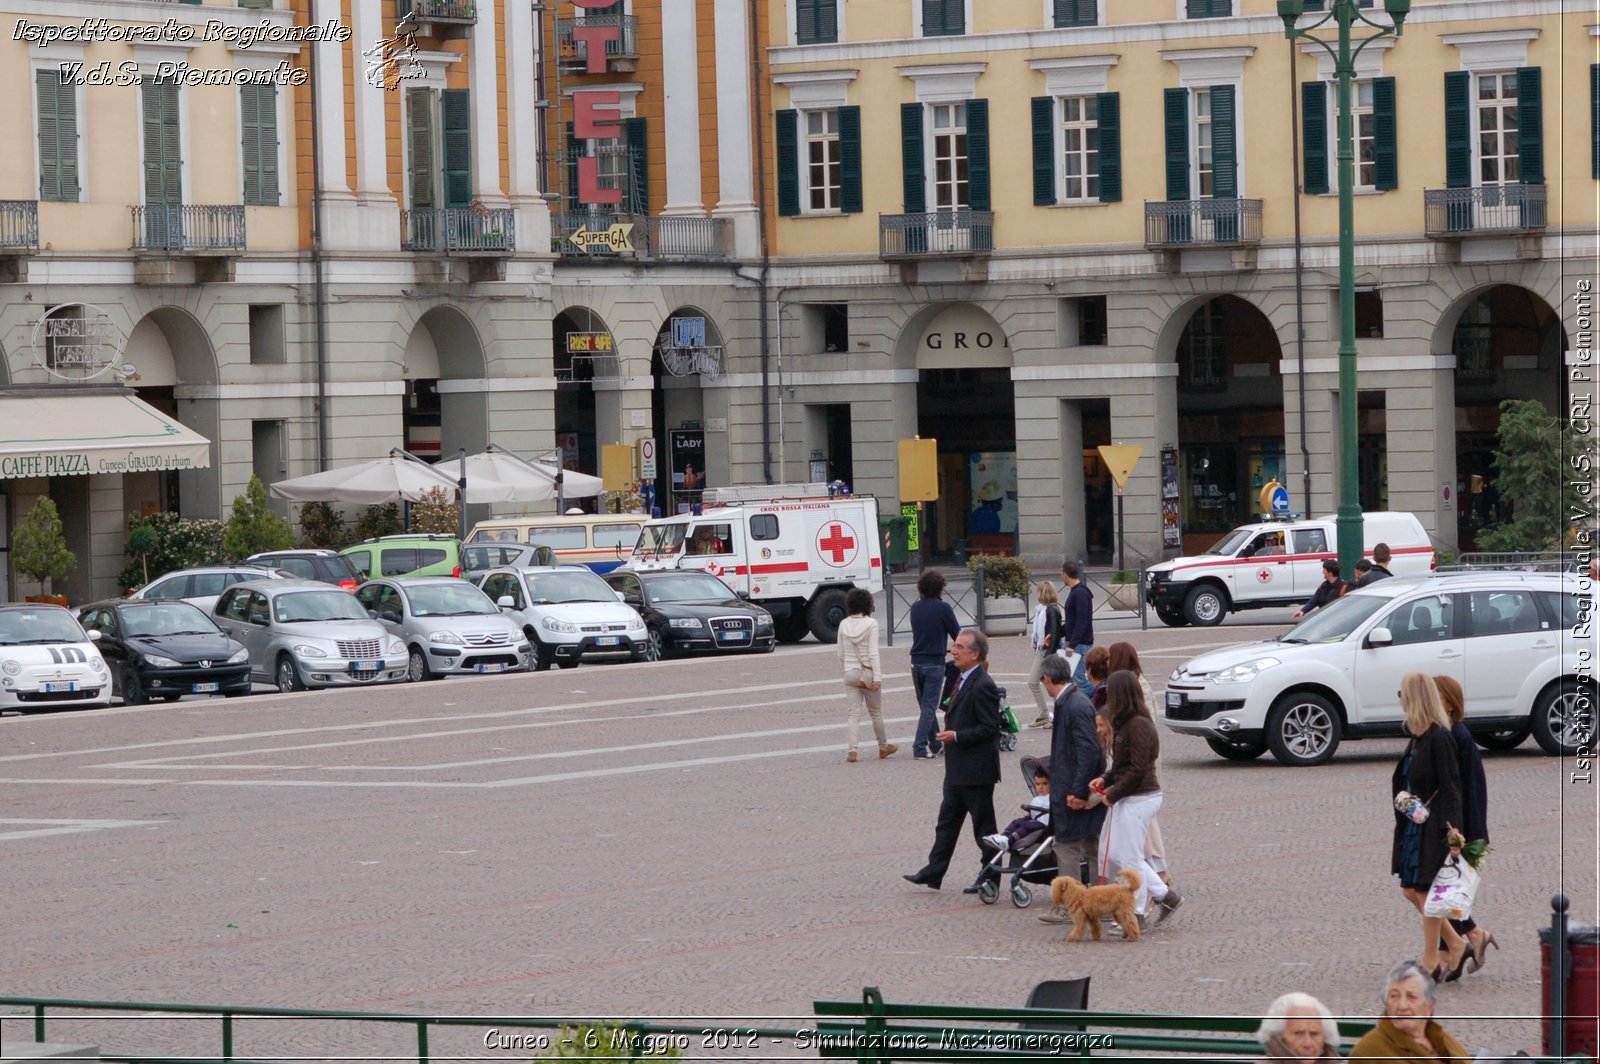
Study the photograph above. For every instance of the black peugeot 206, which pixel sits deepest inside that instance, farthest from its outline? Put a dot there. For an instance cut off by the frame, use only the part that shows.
(165, 648)
(687, 610)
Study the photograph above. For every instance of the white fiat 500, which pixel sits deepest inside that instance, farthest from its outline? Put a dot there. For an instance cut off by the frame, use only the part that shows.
(47, 661)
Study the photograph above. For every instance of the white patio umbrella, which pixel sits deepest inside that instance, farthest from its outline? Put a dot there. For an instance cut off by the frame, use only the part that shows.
(389, 480)
(533, 481)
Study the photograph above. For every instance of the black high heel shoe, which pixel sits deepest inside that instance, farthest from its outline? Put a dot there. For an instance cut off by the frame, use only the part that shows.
(1482, 956)
(1461, 965)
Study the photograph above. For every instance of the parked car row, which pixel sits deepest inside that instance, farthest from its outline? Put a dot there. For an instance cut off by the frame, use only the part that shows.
(270, 626)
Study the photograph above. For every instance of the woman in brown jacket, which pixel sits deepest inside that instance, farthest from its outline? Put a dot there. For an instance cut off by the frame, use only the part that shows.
(1427, 770)
(1133, 792)
(1407, 1032)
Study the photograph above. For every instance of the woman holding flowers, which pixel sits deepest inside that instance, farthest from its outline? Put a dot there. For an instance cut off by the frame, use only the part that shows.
(1427, 771)
(1474, 808)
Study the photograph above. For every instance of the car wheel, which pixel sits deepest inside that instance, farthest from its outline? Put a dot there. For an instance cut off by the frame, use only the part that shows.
(543, 656)
(825, 614)
(417, 666)
(1171, 618)
(1205, 606)
(654, 648)
(791, 628)
(133, 693)
(1236, 751)
(288, 676)
(1302, 729)
(1504, 738)
(1561, 716)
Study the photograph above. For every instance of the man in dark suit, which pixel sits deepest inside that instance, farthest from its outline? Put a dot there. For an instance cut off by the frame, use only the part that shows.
(971, 759)
(1076, 757)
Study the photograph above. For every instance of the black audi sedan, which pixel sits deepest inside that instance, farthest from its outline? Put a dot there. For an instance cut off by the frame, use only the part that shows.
(688, 610)
(165, 648)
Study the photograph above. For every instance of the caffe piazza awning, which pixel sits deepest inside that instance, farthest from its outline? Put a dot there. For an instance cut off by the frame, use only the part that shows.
(62, 435)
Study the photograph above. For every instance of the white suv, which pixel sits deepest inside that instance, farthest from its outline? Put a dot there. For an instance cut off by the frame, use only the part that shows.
(568, 614)
(1522, 646)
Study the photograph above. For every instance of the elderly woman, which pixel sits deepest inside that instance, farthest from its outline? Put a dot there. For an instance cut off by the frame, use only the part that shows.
(1299, 1027)
(1406, 1031)
(1427, 770)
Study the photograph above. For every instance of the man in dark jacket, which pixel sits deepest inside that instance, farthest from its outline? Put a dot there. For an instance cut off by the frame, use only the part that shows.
(1075, 758)
(1330, 588)
(933, 624)
(1377, 569)
(1077, 623)
(971, 759)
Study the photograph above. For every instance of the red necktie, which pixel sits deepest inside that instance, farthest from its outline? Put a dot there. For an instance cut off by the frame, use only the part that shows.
(957, 690)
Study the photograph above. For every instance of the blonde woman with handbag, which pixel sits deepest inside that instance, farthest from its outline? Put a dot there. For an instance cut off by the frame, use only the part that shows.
(858, 656)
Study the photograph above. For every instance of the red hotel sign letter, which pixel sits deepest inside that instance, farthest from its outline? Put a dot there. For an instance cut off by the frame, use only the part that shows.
(588, 123)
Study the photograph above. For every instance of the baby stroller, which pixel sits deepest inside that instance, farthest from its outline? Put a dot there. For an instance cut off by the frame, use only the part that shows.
(1030, 859)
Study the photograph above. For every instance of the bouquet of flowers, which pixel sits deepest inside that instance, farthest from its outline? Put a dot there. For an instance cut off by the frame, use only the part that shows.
(1474, 851)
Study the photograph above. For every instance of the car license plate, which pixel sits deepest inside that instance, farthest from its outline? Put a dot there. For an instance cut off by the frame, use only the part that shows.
(491, 668)
(54, 688)
(205, 688)
(1175, 699)
(730, 637)
(607, 641)
(365, 666)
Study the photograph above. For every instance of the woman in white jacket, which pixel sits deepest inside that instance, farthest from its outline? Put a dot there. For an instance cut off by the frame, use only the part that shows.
(858, 656)
(1046, 632)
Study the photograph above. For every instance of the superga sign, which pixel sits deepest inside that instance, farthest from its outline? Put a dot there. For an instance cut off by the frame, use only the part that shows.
(595, 113)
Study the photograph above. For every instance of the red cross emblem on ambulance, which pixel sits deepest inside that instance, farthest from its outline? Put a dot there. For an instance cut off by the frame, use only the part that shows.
(1264, 576)
(836, 544)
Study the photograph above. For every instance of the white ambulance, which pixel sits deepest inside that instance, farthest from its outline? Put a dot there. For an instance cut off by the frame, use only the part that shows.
(790, 548)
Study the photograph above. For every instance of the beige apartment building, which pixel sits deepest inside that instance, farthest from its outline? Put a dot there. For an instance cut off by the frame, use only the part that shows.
(283, 235)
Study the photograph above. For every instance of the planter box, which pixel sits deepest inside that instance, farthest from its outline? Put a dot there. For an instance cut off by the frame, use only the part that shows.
(54, 600)
(1005, 616)
(1123, 597)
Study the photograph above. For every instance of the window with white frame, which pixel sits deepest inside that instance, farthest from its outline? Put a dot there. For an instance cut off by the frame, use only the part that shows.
(949, 121)
(822, 165)
(1080, 140)
(1499, 153)
(1364, 125)
(1205, 163)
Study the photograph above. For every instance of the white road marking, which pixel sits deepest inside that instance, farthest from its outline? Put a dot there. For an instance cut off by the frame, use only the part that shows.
(65, 827)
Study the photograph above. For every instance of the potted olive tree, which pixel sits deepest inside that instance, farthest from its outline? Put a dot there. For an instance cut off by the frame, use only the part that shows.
(39, 549)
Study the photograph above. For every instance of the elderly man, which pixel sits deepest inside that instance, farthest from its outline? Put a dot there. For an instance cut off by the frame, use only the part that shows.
(971, 760)
(1406, 1031)
(1076, 757)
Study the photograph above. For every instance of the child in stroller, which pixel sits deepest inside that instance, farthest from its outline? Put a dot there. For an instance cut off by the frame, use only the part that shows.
(1026, 849)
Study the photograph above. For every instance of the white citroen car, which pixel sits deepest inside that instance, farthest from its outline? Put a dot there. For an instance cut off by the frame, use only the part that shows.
(568, 614)
(47, 661)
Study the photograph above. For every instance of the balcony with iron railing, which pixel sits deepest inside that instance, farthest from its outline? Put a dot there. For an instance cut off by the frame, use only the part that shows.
(438, 19)
(622, 54)
(480, 231)
(1491, 210)
(189, 229)
(936, 234)
(19, 226)
(599, 235)
(1216, 223)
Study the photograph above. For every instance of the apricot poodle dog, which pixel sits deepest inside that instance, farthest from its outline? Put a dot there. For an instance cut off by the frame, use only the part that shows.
(1088, 904)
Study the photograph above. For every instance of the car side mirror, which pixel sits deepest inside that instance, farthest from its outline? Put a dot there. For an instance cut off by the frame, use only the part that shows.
(391, 616)
(506, 602)
(373, 614)
(1380, 637)
(95, 635)
(634, 600)
(622, 596)
(742, 595)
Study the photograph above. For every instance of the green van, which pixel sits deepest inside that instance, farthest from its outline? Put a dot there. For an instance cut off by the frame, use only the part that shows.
(406, 555)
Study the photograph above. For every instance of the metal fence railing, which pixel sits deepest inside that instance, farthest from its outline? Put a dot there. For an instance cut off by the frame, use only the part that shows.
(1545, 561)
(956, 232)
(19, 224)
(188, 227)
(967, 595)
(1215, 222)
(464, 11)
(609, 235)
(459, 229)
(1488, 209)
(574, 50)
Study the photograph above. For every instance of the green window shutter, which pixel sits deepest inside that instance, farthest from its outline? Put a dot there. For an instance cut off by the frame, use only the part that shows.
(163, 166)
(1385, 136)
(1224, 153)
(788, 159)
(1175, 103)
(574, 150)
(1108, 105)
(58, 138)
(1044, 151)
(636, 135)
(419, 133)
(1069, 13)
(816, 21)
(943, 18)
(258, 107)
(1314, 125)
(1457, 129)
(913, 173)
(850, 200)
(1210, 8)
(978, 154)
(1594, 118)
(455, 107)
(1530, 125)
(250, 143)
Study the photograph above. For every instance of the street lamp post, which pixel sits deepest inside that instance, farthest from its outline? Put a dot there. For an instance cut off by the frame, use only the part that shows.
(1345, 14)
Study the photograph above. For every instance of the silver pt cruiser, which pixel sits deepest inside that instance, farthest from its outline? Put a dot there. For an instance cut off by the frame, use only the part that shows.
(302, 633)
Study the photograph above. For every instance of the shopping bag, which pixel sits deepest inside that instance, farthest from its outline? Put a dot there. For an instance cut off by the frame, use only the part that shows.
(1009, 718)
(1452, 891)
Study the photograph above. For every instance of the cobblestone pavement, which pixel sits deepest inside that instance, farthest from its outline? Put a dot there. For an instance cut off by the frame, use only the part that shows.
(682, 839)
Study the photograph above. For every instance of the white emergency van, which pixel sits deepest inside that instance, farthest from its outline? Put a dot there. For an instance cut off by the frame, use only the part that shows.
(790, 548)
(1275, 563)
